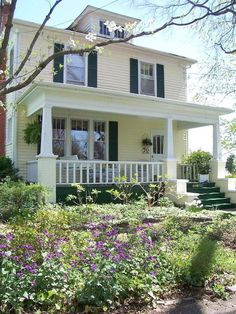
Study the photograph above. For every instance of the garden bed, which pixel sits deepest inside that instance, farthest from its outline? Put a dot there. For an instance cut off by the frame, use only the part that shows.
(97, 258)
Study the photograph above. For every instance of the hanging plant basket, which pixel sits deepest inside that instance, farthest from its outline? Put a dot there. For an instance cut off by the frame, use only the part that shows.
(147, 143)
(32, 133)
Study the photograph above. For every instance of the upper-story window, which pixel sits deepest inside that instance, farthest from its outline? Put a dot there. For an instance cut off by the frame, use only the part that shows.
(119, 34)
(103, 30)
(147, 79)
(75, 69)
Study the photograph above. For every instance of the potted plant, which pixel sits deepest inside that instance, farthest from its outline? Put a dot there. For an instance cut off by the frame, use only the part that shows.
(146, 142)
(199, 161)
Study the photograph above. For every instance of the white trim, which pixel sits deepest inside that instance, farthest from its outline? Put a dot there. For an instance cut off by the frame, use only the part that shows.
(96, 99)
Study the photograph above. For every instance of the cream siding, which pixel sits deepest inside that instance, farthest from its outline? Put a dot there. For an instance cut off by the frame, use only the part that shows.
(131, 131)
(25, 152)
(113, 63)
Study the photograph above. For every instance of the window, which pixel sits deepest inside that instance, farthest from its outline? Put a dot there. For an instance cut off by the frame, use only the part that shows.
(79, 138)
(147, 79)
(75, 69)
(158, 144)
(103, 30)
(11, 62)
(9, 130)
(99, 140)
(119, 34)
(58, 141)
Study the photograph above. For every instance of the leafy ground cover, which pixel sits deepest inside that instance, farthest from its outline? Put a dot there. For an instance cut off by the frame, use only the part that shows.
(94, 258)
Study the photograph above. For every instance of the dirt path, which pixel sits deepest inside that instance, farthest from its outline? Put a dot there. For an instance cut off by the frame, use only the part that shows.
(184, 306)
(192, 306)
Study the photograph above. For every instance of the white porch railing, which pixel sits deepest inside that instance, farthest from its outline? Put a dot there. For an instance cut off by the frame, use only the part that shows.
(32, 171)
(107, 172)
(188, 172)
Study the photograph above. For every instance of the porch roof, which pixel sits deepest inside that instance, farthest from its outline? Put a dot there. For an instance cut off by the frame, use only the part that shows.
(60, 95)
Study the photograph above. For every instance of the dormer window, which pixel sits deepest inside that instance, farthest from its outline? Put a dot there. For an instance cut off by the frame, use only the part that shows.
(103, 29)
(119, 34)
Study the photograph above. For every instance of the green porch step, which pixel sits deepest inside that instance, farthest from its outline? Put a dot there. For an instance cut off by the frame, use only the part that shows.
(215, 201)
(222, 206)
(210, 196)
(196, 185)
(203, 190)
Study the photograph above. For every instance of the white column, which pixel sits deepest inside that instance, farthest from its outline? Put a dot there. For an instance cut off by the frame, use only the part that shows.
(46, 135)
(169, 139)
(170, 162)
(46, 158)
(216, 142)
(217, 165)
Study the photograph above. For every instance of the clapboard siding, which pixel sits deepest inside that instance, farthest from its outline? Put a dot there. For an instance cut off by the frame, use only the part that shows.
(25, 152)
(113, 63)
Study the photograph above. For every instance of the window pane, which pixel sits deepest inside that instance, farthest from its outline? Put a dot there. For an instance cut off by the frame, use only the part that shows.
(99, 140)
(75, 69)
(158, 144)
(79, 138)
(58, 134)
(103, 29)
(147, 87)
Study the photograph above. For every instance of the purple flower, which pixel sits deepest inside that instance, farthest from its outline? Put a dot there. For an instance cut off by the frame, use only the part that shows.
(93, 266)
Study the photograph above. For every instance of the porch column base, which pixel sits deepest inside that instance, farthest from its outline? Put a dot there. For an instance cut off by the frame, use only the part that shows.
(217, 170)
(170, 166)
(47, 174)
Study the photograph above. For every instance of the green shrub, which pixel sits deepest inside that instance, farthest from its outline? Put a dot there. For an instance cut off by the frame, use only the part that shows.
(20, 198)
(7, 169)
(231, 164)
(200, 159)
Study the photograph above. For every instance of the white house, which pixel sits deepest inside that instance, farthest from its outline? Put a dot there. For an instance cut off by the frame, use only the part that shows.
(96, 109)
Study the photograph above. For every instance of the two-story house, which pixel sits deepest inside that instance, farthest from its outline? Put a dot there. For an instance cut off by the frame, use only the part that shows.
(98, 110)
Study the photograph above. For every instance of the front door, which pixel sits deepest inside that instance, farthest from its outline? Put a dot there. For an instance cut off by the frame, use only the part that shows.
(157, 148)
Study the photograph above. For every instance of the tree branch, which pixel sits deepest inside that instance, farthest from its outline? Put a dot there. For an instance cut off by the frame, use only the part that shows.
(29, 51)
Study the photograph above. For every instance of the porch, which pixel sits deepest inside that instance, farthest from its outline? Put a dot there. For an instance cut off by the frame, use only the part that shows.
(100, 172)
(109, 157)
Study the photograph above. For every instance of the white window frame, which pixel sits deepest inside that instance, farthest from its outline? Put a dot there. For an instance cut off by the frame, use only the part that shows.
(140, 75)
(68, 146)
(85, 70)
(70, 126)
(9, 130)
(66, 137)
(159, 133)
(106, 138)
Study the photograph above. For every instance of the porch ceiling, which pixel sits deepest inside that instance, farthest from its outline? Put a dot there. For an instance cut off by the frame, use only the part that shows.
(67, 96)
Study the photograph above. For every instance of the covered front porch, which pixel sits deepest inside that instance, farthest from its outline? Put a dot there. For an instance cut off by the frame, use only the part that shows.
(103, 134)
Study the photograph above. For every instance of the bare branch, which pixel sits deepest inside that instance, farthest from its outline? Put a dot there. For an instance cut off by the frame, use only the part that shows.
(29, 51)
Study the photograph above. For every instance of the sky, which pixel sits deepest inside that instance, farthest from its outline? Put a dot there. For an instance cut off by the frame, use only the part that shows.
(181, 41)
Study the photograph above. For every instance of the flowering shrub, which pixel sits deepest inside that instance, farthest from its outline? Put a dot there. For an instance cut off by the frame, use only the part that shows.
(63, 261)
(99, 267)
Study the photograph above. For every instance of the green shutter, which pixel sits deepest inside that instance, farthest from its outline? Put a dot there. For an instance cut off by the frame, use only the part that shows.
(134, 76)
(113, 141)
(92, 69)
(160, 80)
(58, 64)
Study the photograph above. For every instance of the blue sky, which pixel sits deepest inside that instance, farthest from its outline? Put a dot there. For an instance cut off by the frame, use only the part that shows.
(182, 41)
